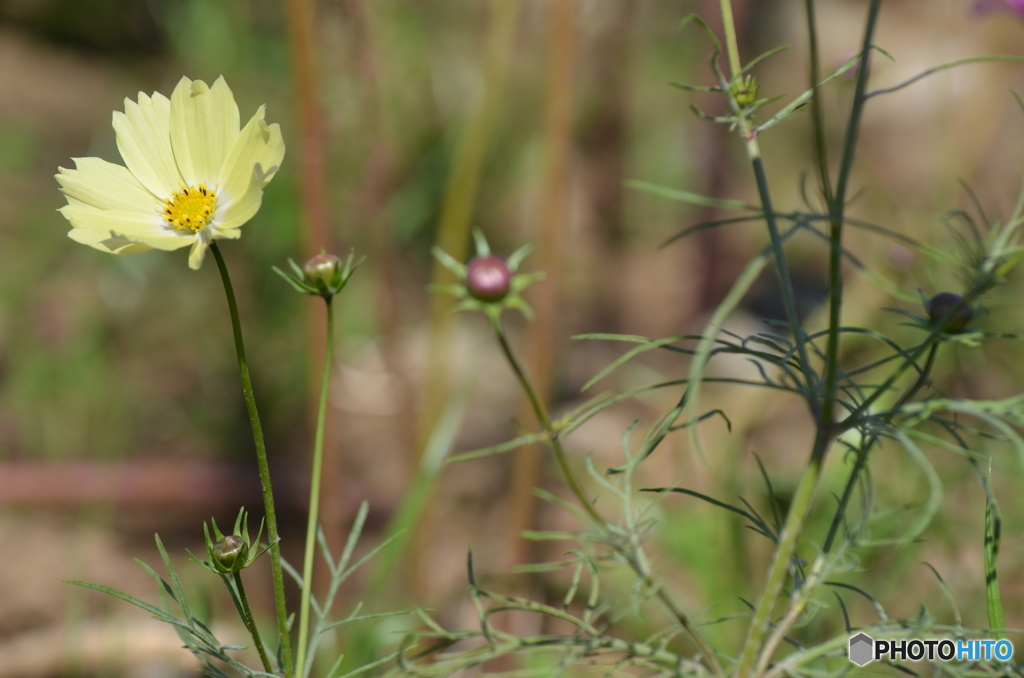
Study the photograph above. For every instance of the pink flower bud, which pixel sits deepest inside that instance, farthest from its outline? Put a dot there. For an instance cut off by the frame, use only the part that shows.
(488, 278)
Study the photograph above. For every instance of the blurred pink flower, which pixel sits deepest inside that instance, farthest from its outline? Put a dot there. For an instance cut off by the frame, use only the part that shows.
(986, 6)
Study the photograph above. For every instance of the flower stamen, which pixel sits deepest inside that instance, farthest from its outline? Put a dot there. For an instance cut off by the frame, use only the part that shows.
(191, 208)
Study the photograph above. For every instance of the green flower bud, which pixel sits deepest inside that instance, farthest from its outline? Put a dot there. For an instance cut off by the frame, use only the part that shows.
(323, 272)
(488, 278)
(323, 275)
(745, 90)
(230, 552)
(942, 304)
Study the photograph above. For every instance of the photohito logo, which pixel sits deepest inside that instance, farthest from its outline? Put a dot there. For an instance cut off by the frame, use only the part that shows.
(865, 649)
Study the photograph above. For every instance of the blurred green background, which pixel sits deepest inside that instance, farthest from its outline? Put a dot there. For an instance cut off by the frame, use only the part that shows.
(120, 411)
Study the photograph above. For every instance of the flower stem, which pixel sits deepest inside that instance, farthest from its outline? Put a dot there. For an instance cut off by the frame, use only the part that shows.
(707, 653)
(545, 421)
(264, 469)
(749, 136)
(250, 623)
(800, 507)
(730, 38)
(784, 552)
(836, 209)
(862, 453)
(782, 272)
(304, 653)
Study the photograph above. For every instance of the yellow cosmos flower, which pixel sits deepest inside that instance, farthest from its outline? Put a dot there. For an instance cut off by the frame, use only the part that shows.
(190, 175)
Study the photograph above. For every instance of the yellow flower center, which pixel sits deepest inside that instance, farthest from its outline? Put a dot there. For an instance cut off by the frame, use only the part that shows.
(191, 208)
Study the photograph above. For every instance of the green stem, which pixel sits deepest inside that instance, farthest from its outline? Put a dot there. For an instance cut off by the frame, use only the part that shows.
(540, 411)
(817, 116)
(922, 379)
(782, 271)
(930, 343)
(803, 498)
(800, 603)
(851, 482)
(836, 208)
(856, 109)
(784, 552)
(545, 421)
(799, 510)
(303, 653)
(730, 39)
(264, 469)
(708, 655)
(250, 623)
(749, 135)
(862, 454)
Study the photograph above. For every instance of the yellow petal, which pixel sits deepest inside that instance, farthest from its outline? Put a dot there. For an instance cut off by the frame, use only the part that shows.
(98, 226)
(112, 243)
(202, 243)
(258, 143)
(198, 251)
(267, 167)
(105, 186)
(204, 124)
(241, 208)
(144, 139)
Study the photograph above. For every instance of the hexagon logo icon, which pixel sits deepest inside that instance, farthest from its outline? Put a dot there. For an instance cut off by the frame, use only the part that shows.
(861, 649)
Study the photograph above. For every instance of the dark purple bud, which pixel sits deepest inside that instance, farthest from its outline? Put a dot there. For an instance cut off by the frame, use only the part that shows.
(488, 278)
(943, 304)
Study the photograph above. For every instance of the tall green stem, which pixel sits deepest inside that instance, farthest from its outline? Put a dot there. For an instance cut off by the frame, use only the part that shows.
(804, 496)
(817, 115)
(826, 429)
(836, 209)
(264, 470)
(782, 270)
(250, 623)
(545, 421)
(708, 654)
(304, 653)
(746, 131)
(795, 518)
(731, 46)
